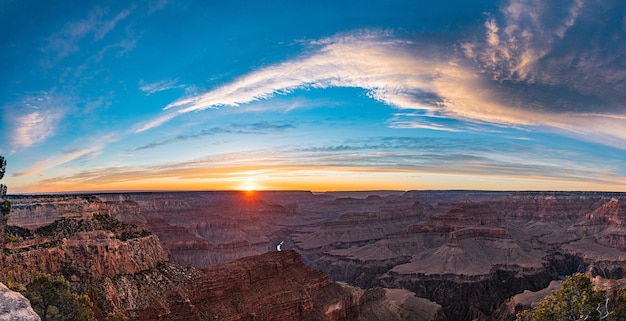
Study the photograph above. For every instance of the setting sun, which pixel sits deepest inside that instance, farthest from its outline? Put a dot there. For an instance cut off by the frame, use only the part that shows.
(249, 186)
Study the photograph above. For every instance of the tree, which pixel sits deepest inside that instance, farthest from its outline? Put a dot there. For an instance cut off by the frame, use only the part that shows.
(576, 300)
(5, 205)
(51, 298)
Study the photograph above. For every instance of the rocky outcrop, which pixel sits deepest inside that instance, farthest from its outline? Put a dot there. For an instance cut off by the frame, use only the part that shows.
(522, 301)
(33, 211)
(82, 250)
(15, 307)
(123, 268)
(397, 304)
(271, 286)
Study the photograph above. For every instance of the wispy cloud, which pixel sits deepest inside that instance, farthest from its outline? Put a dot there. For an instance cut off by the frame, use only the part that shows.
(180, 138)
(257, 128)
(495, 79)
(35, 119)
(105, 26)
(156, 122)
(162, 85)
(264, 126)
(156, 5)
(378, 156)
(99, 23)
(33, 128)
(94, 148)
(370, 60)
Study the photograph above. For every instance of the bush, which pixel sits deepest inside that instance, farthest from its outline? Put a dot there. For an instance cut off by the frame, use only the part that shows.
(577, 300)
(52, 300)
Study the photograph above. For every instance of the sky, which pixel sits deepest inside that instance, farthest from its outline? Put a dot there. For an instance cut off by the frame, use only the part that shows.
(313, 95)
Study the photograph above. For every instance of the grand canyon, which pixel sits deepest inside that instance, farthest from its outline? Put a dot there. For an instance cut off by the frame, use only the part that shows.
(313, 160)
(297, 255)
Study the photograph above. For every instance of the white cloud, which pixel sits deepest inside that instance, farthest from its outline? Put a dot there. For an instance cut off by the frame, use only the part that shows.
(141, 127)
(106, 26)
(94, 148)
(403, 75)
(155, 87)
(528, 33)
(66, 41)
(32, 128)
(39, 118)
(384, 66)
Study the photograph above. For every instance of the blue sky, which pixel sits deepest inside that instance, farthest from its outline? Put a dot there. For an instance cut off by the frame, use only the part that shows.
(315, 95)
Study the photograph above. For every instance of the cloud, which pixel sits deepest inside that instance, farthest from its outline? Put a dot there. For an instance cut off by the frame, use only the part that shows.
(94, 149)
(156, 122)
(35, 119)
(481, 159)
(156, 5)
(369, 61)
(180, 138)
(562, 57)
(264, 126)
(104, 27)
(495, 79)
(155, 87)
(66, 41)
(528, 33)
(250, 129)
(32, 128)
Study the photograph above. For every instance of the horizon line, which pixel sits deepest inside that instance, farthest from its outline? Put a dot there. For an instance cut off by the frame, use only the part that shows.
(309, 191)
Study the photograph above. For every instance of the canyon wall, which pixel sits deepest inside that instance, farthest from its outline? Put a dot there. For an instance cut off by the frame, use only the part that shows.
(123, 267)
(468, 251)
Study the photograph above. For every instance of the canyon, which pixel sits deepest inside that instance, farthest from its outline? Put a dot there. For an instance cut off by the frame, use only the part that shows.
(379, 255)
(124, 268)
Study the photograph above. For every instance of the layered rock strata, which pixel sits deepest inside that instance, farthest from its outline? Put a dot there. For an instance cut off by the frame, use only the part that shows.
(272, 286)
(469, 251)
(123, 267)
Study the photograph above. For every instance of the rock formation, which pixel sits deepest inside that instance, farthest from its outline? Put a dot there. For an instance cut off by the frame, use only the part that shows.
(468, 251)
(123, 267)
(397, 304)
(31, 212)
(272, 286)
(15, 307)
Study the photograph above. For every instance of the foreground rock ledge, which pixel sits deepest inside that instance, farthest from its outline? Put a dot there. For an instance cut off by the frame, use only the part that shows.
(14, 306)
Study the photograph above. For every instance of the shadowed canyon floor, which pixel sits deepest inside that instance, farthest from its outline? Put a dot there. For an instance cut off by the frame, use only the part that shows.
(470, 252)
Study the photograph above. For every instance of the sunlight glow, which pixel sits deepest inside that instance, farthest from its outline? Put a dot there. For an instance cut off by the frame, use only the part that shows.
(249, 186)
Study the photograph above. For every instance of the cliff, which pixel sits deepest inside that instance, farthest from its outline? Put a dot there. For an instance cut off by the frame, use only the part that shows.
(123, 267)
(271, 286)
(33, 211)
(82, 250)
(468, 251)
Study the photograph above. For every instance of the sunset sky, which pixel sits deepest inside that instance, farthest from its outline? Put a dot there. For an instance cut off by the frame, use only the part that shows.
(313, 95)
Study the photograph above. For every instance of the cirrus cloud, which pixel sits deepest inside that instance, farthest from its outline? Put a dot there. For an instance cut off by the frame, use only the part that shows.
(34, 119)
(498, 79)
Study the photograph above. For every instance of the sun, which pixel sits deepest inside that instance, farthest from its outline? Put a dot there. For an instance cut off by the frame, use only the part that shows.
(248, 186)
